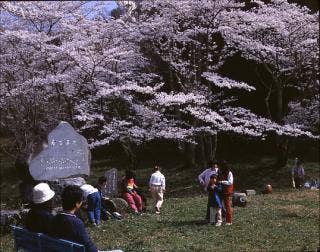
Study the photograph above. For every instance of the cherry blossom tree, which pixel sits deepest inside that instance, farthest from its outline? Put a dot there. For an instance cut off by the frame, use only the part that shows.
(153, 73)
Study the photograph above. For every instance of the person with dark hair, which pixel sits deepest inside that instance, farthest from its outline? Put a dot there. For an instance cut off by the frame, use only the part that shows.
(108, 208)
(226, 179)
(40, 216)
(67, 225)
(214, 190)
(157, 186)
(130, 193)
(204, 179)
(297, 174)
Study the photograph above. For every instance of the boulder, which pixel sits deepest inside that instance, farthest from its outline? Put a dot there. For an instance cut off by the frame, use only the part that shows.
(65, 154)
(250, 192)
(239, 199)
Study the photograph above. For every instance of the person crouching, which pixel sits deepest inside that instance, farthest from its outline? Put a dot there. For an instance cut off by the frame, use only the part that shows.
(93, 198)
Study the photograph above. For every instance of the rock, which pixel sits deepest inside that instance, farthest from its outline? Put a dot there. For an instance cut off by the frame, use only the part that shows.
(58, 185)
(66, 154)
(239, 199)
(12, 217)
(250, 192)
(112, 182)
(121, 205)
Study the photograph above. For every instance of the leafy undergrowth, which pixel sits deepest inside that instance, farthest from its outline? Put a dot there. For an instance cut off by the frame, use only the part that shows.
(286, 220)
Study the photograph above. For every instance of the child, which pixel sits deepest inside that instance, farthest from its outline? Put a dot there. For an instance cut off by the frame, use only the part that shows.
(130, 193)
(214, 201)
(157, 185)
(108, 208)
(226, 179)
(93, 198)
(39, 217)
(67, 225)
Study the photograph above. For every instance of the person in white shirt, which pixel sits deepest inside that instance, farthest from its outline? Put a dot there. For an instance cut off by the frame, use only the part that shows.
(204, 179)
(157, 187)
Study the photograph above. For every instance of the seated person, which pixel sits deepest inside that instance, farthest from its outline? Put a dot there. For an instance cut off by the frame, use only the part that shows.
(40, 216)
(67, 225)
(130, 193)
(107, 205)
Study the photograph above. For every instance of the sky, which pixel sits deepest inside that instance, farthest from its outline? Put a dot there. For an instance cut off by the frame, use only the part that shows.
(108, 6)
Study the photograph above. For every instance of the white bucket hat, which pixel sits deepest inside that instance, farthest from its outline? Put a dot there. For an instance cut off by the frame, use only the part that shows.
(42, 193)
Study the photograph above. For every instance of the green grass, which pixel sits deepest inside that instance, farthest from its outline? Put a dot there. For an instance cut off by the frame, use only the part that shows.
(286, 220)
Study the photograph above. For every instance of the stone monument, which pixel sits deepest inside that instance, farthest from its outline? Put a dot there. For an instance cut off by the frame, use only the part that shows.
(112, 182)
(66, 154)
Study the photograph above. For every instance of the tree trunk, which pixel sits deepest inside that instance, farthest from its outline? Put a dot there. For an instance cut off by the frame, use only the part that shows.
(282, 151)
(201, 157)
(282, 143)
(190, 161)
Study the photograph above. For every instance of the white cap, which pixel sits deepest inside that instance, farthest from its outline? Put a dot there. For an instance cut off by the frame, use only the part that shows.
(42, 193)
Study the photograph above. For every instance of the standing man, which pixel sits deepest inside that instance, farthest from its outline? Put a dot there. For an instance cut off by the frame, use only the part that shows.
(204, 179)
(297, 174)
(157, 186)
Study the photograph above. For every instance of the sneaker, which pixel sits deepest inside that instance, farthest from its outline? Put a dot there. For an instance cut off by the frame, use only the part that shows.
(218, 224)
(228, 224)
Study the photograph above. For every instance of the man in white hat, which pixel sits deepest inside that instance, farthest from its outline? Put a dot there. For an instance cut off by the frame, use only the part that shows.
(40, 216)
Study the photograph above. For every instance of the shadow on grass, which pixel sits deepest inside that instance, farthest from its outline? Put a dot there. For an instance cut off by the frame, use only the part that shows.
(180, 223)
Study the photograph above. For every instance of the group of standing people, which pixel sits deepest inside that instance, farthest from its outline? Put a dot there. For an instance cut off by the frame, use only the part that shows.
(217, 181)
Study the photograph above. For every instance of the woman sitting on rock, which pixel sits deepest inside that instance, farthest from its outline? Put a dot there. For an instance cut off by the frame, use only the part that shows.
(130, 193)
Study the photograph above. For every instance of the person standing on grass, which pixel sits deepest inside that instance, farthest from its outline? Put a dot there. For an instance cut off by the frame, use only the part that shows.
(297, 174)
(204, 179)
(157, 187)
(130, 193)
(40, 216)
(93, 199)
(67, 225)
(215, 204)
(226, 179)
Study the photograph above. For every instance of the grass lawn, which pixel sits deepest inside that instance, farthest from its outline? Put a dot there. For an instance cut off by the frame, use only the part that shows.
(286, 220)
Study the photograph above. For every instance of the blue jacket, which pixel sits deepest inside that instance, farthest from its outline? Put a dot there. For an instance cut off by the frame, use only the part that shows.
(70, 227)
(39, 220)
(214, 199)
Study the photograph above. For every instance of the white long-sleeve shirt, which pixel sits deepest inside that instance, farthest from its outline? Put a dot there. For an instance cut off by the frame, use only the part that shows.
(229, 180)
(204, 177)
(158, 179)
(88, 189)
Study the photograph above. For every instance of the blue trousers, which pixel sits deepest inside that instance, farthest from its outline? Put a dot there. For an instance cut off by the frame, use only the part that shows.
(94, 207)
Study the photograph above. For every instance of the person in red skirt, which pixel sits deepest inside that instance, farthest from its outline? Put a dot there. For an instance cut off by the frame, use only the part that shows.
(226, 179)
